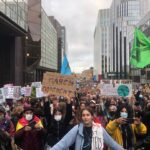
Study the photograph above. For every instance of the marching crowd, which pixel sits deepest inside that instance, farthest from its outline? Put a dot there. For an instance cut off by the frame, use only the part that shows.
(87, 121)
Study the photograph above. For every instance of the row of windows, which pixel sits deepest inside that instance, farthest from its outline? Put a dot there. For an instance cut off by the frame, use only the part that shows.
(16, 10)
(49, 43)
(129, 8)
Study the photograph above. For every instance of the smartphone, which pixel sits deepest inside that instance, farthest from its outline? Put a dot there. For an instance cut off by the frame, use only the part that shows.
(32, 124)
(130, 120)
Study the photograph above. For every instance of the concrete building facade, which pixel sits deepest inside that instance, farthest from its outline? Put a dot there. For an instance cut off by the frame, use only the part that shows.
(28, 42)
(13, 27)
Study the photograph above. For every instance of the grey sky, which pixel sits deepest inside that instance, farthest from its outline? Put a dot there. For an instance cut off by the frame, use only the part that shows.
(79, 17)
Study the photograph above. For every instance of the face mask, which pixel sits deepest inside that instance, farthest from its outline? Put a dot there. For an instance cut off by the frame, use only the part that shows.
(123, 114)
(57, 117)
(29, 117)
(1, 117)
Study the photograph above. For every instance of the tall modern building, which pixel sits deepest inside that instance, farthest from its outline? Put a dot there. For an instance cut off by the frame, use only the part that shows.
(127, 15)
(102, 45)
(28, 42)
(41, 43)
(61, 40)
(13, 27)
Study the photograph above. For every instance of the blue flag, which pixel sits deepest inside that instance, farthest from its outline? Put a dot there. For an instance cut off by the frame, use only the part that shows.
(65, 68)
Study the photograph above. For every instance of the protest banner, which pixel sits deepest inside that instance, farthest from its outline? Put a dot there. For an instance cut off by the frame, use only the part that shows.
(39, 93)
(8, 85)
(12, 92)
(22, 91)
(16, 92)
(28, 91)
(2, 97)
(59, 85)
(9, 92)
(121, 88)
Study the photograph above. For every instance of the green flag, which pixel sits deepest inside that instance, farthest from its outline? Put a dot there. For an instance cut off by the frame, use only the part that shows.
(140, 52)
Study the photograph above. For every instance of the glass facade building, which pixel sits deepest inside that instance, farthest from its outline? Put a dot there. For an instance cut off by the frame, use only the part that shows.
(13, 29)
(117, 36)
(28, 42)
(126, 14)
(16, 10)
(48, 43)
(61, 40)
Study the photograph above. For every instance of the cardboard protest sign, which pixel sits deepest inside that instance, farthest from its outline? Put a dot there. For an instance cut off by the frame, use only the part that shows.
(59, 85)
(121, 88)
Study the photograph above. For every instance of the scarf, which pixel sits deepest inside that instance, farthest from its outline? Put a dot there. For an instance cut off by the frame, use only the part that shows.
(97, 137)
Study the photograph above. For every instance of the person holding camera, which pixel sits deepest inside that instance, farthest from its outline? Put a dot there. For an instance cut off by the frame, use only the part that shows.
(30, 132)
(124, 128)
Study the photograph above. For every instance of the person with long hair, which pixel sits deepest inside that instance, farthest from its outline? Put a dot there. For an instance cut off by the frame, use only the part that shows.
(124, 128)
(87, 135)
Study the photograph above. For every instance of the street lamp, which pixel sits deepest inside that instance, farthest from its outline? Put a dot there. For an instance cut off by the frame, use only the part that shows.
(28, 54)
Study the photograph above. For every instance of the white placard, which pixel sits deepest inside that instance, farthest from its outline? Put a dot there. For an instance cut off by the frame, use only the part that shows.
(2, 97)
(28, 91)
(116, 88)
(39, 93)
(17, 92)
(9, 92)
(36, 84)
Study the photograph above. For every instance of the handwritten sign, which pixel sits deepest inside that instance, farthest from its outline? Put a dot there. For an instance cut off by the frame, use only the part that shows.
(59, 85)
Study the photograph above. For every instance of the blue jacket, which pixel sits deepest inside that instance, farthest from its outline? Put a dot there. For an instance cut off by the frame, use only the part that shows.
(75, 135)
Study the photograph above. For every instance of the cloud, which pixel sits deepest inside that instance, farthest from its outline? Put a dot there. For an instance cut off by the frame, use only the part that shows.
(79, 18)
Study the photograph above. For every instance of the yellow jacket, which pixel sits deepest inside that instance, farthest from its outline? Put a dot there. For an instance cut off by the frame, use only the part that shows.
(115, 132)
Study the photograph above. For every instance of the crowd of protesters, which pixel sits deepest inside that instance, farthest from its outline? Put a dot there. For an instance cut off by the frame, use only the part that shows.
(87, 121)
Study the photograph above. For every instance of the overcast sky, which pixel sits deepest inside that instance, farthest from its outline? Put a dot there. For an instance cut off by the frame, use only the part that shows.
(79, 17)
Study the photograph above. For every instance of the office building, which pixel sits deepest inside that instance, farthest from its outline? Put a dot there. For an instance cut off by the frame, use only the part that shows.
(41, 44)
(61, 40)
(102, 45)
(125, 14)
(13, 27)
(28, 42)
